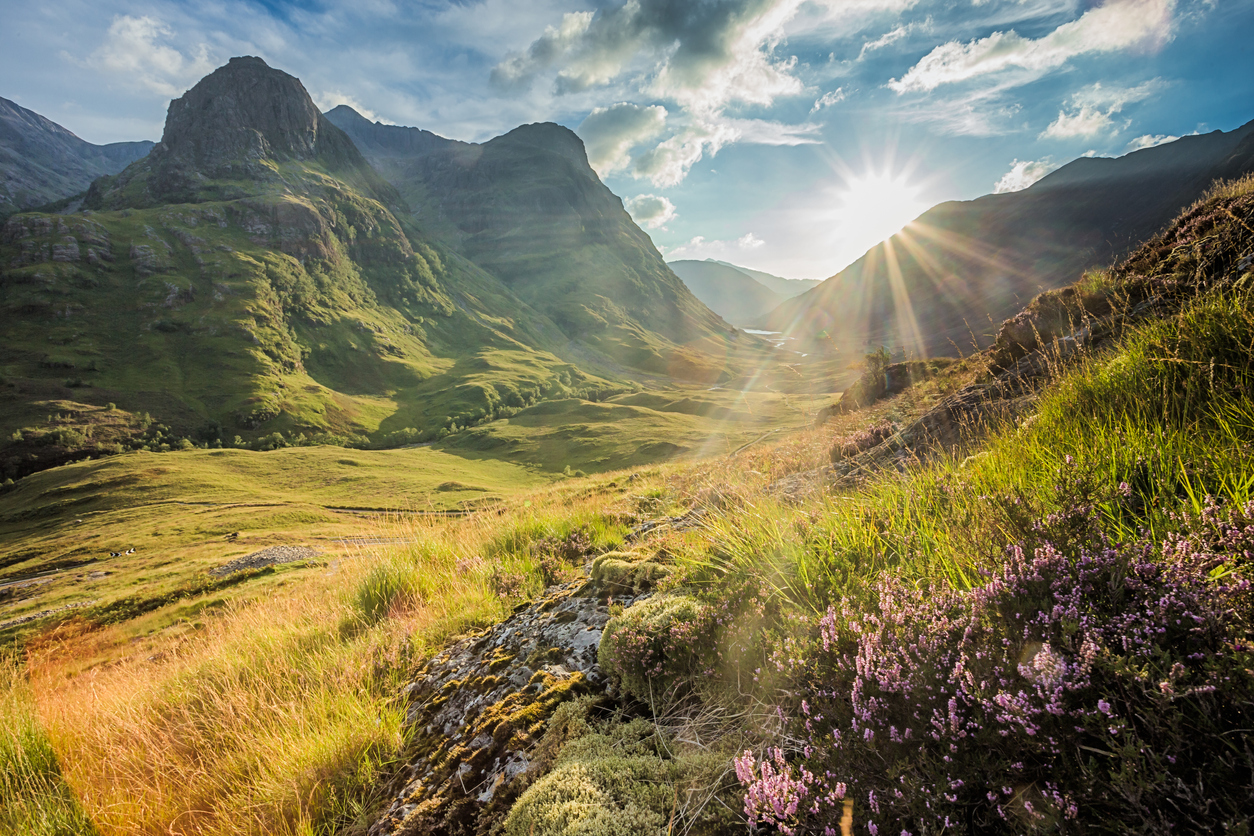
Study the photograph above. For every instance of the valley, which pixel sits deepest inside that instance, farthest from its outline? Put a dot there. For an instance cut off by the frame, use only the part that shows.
(363, 482)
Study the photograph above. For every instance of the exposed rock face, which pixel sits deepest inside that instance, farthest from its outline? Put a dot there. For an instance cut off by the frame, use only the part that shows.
(235, 125)
(479, 707)
(244, 112)
(40, 161)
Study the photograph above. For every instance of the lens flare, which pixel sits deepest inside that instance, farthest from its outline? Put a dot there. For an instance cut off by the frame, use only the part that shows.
(876, 205)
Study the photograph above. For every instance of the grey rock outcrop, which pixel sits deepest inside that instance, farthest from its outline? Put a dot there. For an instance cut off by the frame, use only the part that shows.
(478, 708)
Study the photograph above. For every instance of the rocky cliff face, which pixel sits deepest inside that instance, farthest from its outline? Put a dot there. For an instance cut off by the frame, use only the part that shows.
(246, 112)
(239, 123)
(41, 162)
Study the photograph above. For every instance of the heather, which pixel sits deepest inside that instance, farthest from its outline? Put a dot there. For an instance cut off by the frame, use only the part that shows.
(1085, 681)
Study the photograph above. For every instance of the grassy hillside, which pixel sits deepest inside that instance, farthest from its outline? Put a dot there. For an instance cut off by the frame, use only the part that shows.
(951, 276)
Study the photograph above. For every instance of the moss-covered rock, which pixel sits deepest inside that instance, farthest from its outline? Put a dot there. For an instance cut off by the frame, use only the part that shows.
(478, 710)
(619, 573)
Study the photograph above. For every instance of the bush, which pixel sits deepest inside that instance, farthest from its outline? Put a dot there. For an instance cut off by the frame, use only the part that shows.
(655, 648)
(1108, 681)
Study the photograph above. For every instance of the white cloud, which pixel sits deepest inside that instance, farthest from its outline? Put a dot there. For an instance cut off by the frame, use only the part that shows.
(1150, 141)
(519, 69)
(699, 248)
(703, 57)
(134, 52)
(328, 99)
(828, 99)
(1093, 110)
(1114, 26)
(1022, 174)
(891, 37)
(609, 133)
(650, 210)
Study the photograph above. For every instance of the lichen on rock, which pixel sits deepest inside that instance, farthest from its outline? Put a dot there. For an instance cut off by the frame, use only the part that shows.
(477, 711)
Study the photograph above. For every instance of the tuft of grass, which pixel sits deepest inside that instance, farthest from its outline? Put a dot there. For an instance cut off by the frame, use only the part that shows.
(34, 797)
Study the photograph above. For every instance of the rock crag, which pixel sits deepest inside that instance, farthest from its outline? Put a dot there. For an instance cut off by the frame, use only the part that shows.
(478, 708)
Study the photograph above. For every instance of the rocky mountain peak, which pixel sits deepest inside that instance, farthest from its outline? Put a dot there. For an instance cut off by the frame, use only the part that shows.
(551, 137)
(241, 112)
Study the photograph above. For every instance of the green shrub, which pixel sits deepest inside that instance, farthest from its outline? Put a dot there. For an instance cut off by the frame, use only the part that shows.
(658, 647)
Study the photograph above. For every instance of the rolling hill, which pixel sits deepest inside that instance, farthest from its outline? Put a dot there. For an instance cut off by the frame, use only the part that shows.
(950, 277)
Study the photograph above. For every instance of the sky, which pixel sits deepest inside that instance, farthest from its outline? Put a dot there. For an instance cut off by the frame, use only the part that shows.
(785, 135)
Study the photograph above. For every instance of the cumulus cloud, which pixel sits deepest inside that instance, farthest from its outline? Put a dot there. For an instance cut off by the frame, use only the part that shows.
(650, 210)
(1022, 174)
(518, 70)
(1114, 26)
(828, 99)
(136, 51)
(701, 54)
(1092, 110)
(609, 133)
(1150, 141)
(703, 57)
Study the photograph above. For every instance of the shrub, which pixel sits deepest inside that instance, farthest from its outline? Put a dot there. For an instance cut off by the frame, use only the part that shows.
(655, 648)
(1108, 681)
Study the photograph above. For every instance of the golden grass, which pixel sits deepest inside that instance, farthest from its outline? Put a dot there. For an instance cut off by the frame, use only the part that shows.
(279, 716)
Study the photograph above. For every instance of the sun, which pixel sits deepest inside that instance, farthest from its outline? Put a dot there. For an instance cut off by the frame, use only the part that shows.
(876, 205)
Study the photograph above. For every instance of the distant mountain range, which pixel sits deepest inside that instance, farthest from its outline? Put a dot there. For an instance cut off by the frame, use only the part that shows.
(255, 273)
(738, 294)
(40, 161)
(949, 278)
(267, 267)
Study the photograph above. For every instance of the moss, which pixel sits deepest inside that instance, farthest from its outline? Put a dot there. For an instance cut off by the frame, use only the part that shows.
(622, 573)
(616, 777)
(655, 647)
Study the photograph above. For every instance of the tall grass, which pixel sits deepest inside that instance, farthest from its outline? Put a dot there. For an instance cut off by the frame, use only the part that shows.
(1169, 415)
(34, 798)
(278, 717)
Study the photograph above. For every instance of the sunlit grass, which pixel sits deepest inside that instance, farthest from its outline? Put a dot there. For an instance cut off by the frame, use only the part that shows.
(277, 717)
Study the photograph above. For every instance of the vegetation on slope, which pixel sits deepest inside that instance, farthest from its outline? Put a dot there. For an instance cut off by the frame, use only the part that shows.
(785, 612)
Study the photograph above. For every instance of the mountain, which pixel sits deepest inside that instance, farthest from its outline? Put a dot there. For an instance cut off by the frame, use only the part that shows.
(787, 288)
(41, 162)
(950, 277)
(253, 274)
(528, 209)
(728, 291)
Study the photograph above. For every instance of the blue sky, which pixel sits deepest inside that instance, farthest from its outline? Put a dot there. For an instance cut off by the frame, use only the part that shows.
(785, 135)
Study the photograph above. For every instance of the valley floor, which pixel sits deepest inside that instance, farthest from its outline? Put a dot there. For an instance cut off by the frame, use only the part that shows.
(1013, 598)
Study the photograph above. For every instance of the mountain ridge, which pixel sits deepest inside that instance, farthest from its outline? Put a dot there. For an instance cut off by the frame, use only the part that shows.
(42, 161)
(528, 208)
(952, 275)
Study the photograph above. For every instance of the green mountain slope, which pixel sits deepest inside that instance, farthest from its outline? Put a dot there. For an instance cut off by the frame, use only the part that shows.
(961, 267)
(41, 162)
(728, 291)
(254, 275)
(529, 209)
(786, 288)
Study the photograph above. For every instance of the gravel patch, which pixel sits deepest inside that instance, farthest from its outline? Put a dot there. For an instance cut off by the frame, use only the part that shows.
(266, 557)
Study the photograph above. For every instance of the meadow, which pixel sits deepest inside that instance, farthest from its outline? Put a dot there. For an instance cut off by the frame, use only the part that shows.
(1045, 629)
